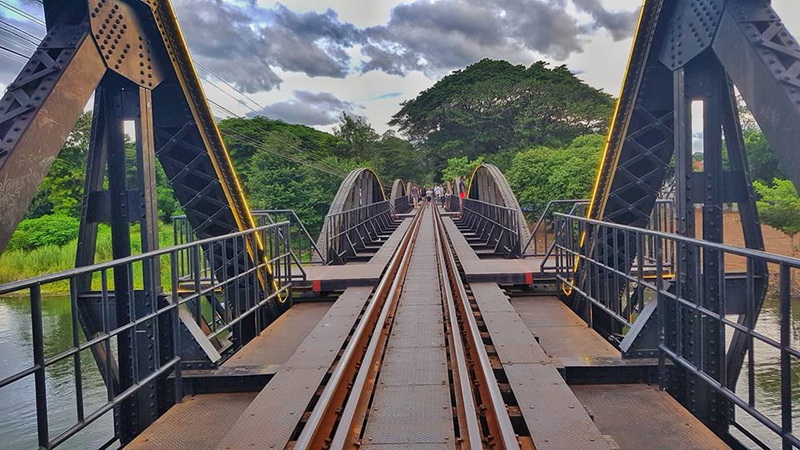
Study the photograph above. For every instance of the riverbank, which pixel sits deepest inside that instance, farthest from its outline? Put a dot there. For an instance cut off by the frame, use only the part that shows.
(24, 264)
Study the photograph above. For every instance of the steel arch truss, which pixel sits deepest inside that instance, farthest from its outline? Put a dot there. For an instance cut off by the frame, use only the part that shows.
(491, 214)
(359, 219)
(400, 198)
(131, 55)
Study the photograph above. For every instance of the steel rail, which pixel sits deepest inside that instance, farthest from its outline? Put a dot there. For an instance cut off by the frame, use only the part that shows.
(493, 404)
(351, 422)
(355, 410)
(323, 418)
(468, 420)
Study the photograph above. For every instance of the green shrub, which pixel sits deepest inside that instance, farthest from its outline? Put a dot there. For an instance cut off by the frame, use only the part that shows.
(55, 230)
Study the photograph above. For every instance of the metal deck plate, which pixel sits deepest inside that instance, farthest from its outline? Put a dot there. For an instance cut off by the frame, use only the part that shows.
(641, 416)
(562, 333)
(278, 342)
(411, 414)
(463, 250)
(279, 406)
(512, 340)
(413, 334)
(411, 404)
(414, 367)
(420, 313)
(545, 311)
(492, 297)
(197, 422)
(555, 418)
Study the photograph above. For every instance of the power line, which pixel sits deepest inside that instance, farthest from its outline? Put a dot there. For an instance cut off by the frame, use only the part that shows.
(322, 165)
(318, 151)
(20, 33)
(315, 150)
(14, 52)
(318, 165)
(314, 153)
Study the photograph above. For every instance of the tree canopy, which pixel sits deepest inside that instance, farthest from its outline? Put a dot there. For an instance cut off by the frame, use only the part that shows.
(495, 105)
(542, 174)
(779, 206)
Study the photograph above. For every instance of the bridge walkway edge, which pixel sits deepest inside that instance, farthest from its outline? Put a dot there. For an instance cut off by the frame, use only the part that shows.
(610, 390)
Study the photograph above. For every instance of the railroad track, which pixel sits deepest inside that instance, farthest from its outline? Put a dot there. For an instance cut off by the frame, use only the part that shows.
(455, 399)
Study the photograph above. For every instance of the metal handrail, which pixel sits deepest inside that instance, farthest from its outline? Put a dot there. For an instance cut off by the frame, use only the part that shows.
(183, 233)
(347, 232)
(496, 223)
(8, 288)
(242, 286)
(592, 273)
(402, 205)
(293, 215)
(542, 219)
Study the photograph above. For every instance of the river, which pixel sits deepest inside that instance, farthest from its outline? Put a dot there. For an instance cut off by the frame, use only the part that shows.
(17, 405)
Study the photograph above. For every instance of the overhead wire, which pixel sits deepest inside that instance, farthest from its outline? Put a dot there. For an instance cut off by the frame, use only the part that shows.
(22, 13)
(313, 153)
(319, 165)
(316, 151)
(20, 33)
(14, 52)
(312, 157)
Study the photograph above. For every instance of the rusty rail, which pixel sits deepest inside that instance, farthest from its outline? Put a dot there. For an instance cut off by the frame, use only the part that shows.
(491, 404)
(341, 412)
(324, 417)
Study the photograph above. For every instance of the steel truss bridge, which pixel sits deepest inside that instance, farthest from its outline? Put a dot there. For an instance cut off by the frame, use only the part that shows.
(619, 321)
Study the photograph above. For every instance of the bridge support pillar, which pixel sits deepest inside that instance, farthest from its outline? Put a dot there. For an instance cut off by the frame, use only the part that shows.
(130, 198)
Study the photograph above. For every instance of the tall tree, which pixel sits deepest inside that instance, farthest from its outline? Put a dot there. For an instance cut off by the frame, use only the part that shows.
(358, 137)
(779, 207)
(493, 105)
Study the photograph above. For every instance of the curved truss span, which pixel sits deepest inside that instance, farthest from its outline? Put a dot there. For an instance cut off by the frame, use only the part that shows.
(361, 187)
(488, 184)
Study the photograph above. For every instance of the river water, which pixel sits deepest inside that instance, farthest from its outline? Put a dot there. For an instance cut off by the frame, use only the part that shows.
(17, 404)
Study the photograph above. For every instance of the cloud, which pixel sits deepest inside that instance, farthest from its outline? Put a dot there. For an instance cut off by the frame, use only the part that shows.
(247, 43)
(619, 24)
(309, 108)
(433, 36)
(244, 42)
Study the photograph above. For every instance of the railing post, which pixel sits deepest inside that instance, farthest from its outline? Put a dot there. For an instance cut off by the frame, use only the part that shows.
(786, 358)
(40, 384)
(661, 310)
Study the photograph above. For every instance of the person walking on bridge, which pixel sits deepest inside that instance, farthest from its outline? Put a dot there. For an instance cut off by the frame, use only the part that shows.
(462, 194)
(437, 191)
(415, 195)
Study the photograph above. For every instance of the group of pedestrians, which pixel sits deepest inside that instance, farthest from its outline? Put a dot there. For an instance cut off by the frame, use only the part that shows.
(438, 193)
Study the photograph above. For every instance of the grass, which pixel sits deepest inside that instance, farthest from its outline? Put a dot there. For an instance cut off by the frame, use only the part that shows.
(18, 265)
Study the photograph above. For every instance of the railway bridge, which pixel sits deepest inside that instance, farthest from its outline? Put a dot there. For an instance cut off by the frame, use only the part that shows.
(619, 321)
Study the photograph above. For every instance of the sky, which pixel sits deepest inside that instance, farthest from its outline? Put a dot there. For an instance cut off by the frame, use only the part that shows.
(306, 61)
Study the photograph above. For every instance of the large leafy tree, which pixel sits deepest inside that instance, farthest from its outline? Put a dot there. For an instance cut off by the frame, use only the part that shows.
(460, 167)
(62, 187)
(764, 165)
(542, 174)
(779, 206)
(493, 105)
